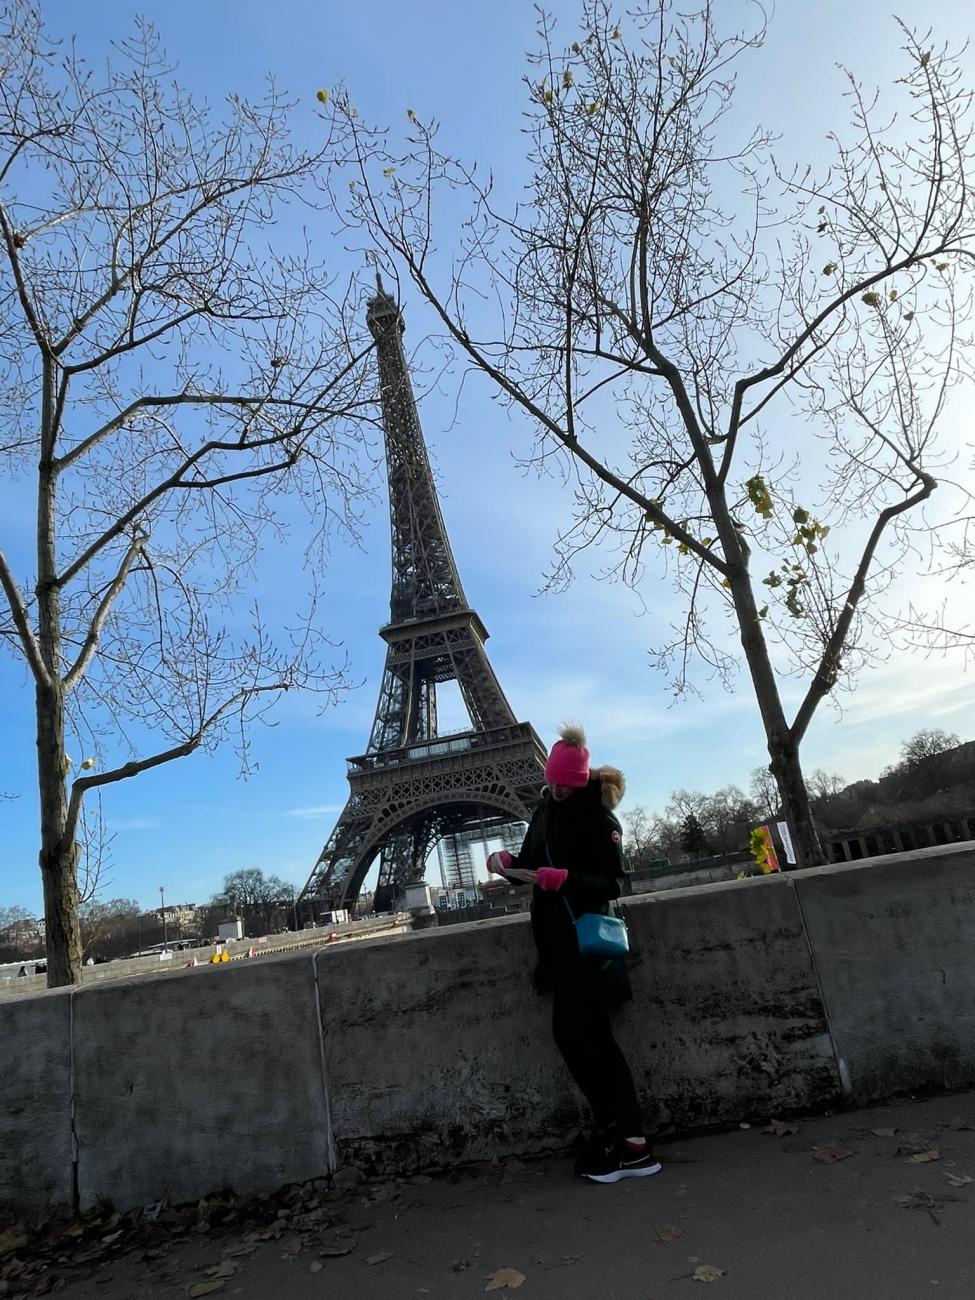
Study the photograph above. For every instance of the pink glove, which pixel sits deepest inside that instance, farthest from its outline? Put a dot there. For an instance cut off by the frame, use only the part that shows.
(551, 878)
(498, 863)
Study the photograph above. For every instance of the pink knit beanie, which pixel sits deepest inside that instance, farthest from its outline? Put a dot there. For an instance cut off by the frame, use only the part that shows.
(568, 759)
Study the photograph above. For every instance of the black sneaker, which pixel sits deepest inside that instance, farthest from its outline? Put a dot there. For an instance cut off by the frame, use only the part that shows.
(599, 1142)
(620, 1161)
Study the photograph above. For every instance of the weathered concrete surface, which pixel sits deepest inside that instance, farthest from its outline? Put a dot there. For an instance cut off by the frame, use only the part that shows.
(438, 1049)
(198, 1081)
(726, 1019)
(894, 940)
(36, 1171)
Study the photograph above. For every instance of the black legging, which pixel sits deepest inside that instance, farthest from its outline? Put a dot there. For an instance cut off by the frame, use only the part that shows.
(582, 1032)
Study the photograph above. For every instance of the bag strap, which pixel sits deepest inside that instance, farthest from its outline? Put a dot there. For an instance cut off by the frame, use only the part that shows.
(572, 915)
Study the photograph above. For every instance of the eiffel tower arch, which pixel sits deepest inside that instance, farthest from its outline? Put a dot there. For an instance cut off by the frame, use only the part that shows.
(414, 786)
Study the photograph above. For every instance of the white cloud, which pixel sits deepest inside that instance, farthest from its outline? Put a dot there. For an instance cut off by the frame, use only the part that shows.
(315, 811)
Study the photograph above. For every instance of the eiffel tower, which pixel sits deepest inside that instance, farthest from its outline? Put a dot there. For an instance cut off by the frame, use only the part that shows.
(414, 787)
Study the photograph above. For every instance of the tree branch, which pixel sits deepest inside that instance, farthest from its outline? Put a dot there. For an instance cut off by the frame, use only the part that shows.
(82, 784)
(23, 296)
(80, 665)
(18, 610)
(825, 675)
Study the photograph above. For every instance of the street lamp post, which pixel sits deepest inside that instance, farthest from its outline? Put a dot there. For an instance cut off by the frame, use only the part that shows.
(162, 909)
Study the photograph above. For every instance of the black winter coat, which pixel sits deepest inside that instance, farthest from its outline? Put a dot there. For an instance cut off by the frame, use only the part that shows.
(582, 835)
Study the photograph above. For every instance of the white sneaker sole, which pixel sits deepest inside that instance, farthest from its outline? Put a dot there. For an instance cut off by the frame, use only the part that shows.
(618, 1174)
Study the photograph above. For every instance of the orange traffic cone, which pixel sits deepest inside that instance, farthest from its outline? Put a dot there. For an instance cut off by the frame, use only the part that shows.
(192, 962)
(250, 952)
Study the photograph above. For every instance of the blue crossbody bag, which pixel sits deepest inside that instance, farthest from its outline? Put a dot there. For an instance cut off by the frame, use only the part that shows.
(597, 935)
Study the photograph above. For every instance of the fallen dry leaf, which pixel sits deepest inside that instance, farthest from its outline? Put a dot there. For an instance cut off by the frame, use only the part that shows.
(707, 1273)
(208, 1288)
(830, 1155)
(780, 1128)
(226, 1268)
(505, 1278)
(380, 1257)
(958, 1180)
(316, 1266)
(668, 1234)
(924, 1157)
(883, 1132)
(332, 1250)
(10, 1241)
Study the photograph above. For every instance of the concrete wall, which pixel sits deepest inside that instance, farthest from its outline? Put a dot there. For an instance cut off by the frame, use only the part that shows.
(685, 875)
(894, 942)
(200, 1080)
(36, 1151)
(753, 998)
(124, 967)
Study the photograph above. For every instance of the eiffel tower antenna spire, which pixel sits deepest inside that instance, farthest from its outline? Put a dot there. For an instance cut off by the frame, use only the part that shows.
(413, 787)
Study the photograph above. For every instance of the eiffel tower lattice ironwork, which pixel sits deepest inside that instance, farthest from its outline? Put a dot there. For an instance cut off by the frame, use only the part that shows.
(414, 786)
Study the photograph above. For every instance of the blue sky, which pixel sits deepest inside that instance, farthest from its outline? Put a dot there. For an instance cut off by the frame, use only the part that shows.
(582, 654)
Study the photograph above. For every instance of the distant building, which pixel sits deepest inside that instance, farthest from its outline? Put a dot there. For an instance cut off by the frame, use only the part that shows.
(25, 933)
(182, 918)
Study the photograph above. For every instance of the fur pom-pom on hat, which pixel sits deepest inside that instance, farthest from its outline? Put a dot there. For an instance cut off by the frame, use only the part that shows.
(572, 734)
(568, 760)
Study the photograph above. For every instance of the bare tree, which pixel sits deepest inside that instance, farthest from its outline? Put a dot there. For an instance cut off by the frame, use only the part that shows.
(167, 381)
(670, 304)
(926, 744)
(645, 836)
(824, 785)
(765, 793)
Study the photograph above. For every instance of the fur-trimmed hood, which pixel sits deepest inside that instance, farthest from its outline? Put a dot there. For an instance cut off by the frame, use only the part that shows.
(612, 785)
(610, 782)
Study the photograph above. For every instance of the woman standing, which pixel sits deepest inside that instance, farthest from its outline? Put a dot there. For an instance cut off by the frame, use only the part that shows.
(573, 855)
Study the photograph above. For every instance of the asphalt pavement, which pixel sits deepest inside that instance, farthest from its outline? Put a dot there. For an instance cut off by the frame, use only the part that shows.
(869, 1204)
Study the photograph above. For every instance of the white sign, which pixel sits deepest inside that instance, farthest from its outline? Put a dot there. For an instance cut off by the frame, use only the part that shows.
(786, 837)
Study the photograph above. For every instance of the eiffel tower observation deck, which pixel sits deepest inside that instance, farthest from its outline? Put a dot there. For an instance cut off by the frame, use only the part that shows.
(414, 786)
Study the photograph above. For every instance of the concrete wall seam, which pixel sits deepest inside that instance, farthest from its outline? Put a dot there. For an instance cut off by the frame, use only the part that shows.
(842, 1069)
(331, 1158)
(75, 1157)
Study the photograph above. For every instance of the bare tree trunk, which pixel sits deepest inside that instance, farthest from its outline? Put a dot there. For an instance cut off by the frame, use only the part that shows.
(795, 803)
(58, 857)
(59, 853)
(782, 747)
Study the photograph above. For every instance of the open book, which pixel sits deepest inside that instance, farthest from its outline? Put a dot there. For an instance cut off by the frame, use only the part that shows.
(525, 877)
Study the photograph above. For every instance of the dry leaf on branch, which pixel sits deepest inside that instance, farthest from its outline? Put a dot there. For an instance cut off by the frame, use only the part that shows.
(504, 1278)
(707, 1273)
(924, 1157)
